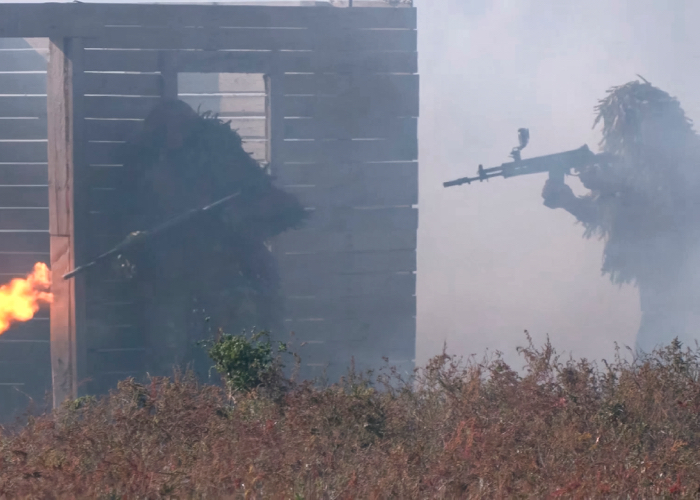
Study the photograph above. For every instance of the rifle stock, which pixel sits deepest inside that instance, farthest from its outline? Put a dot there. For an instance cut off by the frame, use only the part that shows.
(557, 164)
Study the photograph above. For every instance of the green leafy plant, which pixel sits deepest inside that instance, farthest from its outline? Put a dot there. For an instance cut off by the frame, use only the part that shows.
(247, 363)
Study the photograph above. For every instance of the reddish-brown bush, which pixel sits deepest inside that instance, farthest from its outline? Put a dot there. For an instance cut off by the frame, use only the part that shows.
(459, 430)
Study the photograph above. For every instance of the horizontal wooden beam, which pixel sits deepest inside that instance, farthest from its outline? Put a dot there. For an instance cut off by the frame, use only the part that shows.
(309, 240)
(24, 174)
(255, 39)
(22, 83)
(18, 20)
(23, 241)
(21, 263)
(402, 149)
(24, 219)
(24, 129)
(350, 307)
(334, 220)
(255, 61)
(338, 286)
(23, 152)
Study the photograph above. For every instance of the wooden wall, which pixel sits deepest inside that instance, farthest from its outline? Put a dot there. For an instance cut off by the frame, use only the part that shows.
(25, 364)
(337, 121)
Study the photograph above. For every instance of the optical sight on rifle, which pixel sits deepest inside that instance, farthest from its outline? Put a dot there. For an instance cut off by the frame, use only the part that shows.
(557, 165)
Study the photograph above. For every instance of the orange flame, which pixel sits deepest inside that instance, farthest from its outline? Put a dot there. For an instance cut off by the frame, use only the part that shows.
(21, 298)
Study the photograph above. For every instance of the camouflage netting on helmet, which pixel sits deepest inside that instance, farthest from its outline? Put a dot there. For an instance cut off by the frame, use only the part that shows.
(645, 224)
(218, 267)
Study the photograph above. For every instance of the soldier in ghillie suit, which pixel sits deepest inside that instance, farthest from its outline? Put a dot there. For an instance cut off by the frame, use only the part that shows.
(214, 272)
(645, 207)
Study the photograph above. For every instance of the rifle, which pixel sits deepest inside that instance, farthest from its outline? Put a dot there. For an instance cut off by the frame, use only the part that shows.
(558, 165)
(139, 236)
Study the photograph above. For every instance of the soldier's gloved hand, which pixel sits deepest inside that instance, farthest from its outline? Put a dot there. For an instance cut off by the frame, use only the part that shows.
(557, 194)
(591, 177)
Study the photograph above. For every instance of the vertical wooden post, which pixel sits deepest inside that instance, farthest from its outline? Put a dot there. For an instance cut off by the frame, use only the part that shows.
(274, 108)
(67, 173)
(168, 74)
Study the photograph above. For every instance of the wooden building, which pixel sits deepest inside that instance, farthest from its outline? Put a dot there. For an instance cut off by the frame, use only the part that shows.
(326, 96)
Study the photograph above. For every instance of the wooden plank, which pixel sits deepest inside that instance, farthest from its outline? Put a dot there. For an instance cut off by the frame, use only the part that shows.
(293, 265)
(350, 307)
(122, 60)
(261, 61)
(405, 149)
(124, 107)
(119, 337)
(255, 61)
(25, 129)
(336, 84)
(131, 84)
(22, 83)
(21, 263)
(123, 130)
(22, 352)
(365, 327)
(194, 83)
(22, 60)
(28, 174)
(368, 352)
(328, 175)
(352, 105)
(308, 240)
(341, 219)
(274, 109)
(357, 128)
(24, 219)
(239, 105)
(112, 130)
(112, 360)
(21, 19)
(119, 107)
(34, 330)
(67, 181)
(248, 38)
(24, 196)
(221, 62)
(374, 61)
(24, 241)
(359, 195)
(349, 285)
(46, 20)
(14, 43)
(116, 314)
(167, 67)
(107, 153)
(23, 152)
(22, 106)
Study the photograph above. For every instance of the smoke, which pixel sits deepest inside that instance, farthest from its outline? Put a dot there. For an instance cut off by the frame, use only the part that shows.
(492, 260)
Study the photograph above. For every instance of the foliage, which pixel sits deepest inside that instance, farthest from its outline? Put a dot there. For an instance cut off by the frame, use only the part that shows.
(246, 364)
(457, 429)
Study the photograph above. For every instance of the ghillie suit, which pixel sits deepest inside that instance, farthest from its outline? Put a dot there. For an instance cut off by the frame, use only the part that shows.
(645, 207)
(215, 272)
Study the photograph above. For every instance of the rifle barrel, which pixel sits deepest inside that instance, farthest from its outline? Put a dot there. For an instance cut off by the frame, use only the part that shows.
(133, 238)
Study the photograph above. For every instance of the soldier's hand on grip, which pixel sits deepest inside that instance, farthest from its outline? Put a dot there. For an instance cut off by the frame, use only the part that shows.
(557, 194)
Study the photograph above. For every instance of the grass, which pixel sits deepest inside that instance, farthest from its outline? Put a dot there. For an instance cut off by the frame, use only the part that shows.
(458, 429)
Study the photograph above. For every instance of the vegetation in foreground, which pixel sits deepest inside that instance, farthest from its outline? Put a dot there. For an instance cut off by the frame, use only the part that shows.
(458, 429)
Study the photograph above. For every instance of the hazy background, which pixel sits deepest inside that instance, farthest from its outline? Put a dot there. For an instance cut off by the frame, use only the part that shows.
(492, 260)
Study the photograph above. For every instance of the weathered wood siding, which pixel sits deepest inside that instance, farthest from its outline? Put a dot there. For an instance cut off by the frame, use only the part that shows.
(25, 362)
(336, 118)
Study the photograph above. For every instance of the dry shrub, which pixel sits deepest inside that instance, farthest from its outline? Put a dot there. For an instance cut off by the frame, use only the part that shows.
(457, 429)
